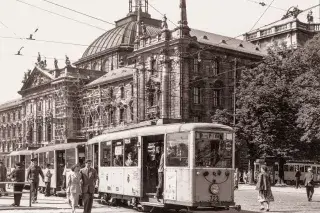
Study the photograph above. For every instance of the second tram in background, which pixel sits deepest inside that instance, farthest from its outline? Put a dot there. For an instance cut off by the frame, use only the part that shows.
(289, 169)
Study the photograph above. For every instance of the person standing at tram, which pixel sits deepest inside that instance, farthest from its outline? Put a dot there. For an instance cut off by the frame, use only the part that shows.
(88, 178)
(17, 175)
(160, 178)
(297, 176)
(47, 180)
(3, 178)
(33, 173)
(309, 183)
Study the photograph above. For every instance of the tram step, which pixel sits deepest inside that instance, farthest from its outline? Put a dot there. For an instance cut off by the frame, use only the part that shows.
(154, 200)
(151, 194)
(156, 204)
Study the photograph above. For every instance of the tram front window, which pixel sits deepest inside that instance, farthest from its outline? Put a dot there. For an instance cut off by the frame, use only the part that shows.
(213, 150)
(177, 149)
(105, 154)
(131, 152)
(117, 149)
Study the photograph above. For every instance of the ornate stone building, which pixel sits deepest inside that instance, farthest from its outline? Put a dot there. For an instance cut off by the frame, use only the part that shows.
(289, 29)
(138, 73)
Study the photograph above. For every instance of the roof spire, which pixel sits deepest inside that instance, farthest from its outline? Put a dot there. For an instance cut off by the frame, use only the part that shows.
(183, 14)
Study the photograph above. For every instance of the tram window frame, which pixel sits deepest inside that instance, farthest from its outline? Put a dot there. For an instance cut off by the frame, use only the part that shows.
(276, 168)
(318, 170)
(41, 160)
(286, 168)
(133, 150)
(51, 157)
(105, 160)
(301, 168)
(114, 152)
(176, 142)
(291, 168)
(70, 157)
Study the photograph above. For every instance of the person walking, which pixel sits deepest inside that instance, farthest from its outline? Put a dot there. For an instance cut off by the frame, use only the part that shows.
(264, 188)
(245, 177)
(17, 175)
(160, 178)
(297, 176)
(236, 179)
(88, 178)
(3, 178)
(309, 184)
(74, 186)
(47, 180)
(33, 173)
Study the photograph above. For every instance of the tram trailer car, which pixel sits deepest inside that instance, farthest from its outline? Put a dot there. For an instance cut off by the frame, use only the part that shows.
(197, 171)
(22, 156)
(290, 171)
(60, 157)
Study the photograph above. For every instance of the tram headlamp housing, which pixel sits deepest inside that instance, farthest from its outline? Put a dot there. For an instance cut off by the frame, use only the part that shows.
(214, 189)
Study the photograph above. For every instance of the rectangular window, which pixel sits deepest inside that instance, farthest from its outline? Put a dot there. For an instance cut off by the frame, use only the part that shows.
(41, 160)
(131, 151)
(195, 65)
(122, 117)
(301, 168)
(27, 161)
(216, 98)
(215, 68)
(291, 168)
(285, 168)
(196, 95)
(70, 159)
(19, 115)
(106, 154)
(131, 113)
(196, 119)
(177, 149)
(117, 150)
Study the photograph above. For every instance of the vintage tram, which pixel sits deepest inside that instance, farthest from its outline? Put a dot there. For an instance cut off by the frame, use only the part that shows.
(197, 168)
(22, 156)
(61, 157)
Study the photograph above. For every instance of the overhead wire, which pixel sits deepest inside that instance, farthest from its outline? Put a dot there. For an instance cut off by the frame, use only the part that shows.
(264, 4)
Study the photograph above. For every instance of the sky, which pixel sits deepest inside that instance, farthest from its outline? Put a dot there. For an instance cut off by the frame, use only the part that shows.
(225, 17)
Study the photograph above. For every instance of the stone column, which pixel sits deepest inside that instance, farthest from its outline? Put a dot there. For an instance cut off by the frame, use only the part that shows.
(142, 90)
(164, 60)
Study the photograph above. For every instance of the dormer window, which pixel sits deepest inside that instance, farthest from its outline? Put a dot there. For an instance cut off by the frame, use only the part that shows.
(205, 37)
(223, 41)
(240, 45)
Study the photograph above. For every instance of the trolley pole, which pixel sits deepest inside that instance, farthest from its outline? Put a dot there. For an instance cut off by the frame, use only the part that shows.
(234, 114)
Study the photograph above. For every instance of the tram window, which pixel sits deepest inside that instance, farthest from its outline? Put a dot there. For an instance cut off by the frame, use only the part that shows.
(306, 168)
(41, 160)
(117, 150)
(131, 152)
(318, 170)
(276, 167)
(71, 158)
(51, 157)
(105, 154)
(301, 168)
(27, 161)
(212, 150)
(177, 149)
(285, 168)
(291, 168)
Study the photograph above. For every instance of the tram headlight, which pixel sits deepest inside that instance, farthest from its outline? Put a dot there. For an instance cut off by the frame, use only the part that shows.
(214, 189)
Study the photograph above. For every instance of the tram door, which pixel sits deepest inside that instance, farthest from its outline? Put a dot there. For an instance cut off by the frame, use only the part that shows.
(153, 147)
(96, 156)
(81, 155)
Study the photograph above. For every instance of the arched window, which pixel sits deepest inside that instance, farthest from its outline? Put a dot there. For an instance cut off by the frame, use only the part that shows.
(49, 132)
(39, 133)
(122, 93)
(39, 106)
(105, 66)
(95, 66)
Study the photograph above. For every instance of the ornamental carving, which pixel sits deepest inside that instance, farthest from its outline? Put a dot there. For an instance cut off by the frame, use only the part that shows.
(38, 80)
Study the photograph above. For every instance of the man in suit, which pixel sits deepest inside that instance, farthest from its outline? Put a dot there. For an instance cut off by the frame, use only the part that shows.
(33, 176)
(17, 175)
(89, 178)
(309, 183)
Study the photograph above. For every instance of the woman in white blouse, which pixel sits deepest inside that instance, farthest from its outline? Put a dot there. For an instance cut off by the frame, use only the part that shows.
(74, 186)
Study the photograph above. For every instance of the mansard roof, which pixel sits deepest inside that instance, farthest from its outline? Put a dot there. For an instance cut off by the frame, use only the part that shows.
(226, 42)
(113, 75)
(10, 104)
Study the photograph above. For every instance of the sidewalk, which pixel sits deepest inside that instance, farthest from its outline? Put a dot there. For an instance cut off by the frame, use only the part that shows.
(285, 189)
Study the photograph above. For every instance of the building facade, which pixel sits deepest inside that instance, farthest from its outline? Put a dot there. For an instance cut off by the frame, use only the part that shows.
(138, 73)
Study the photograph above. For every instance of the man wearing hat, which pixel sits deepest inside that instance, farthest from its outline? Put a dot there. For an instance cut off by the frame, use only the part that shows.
(33, 176)
(89, 178)
(17, 175)
(309, 183)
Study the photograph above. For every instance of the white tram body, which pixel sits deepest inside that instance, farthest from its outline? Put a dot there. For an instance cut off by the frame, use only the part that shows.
(22, 156)
(66, 154)
(197, 171)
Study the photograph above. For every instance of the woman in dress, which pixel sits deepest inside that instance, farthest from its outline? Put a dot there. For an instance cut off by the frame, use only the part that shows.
(264, 188)
(74, 186)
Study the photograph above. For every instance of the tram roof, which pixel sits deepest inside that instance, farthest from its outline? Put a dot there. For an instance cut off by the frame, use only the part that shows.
(59, 147)
(21, 152)
(159, 129)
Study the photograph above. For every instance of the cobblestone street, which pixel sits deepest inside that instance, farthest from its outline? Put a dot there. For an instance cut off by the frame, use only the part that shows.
(287, 199)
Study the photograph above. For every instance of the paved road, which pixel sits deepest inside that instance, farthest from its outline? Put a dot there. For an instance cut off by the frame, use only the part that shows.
(287, 200)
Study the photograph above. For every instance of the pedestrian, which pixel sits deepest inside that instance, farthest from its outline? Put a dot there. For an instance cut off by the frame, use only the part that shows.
(74, 186)
(47, 180)
(160, 178)
(33, 173)
(264, 188)
(64, 174)
(3, 178)
(88, 178)
(17, 175)
(245, 177)
(297, 176)
(309, 183)
(236, 179)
